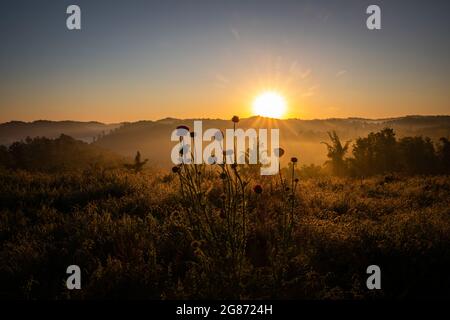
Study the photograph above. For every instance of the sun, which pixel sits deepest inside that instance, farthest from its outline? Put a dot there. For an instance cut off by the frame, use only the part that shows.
(269, 104)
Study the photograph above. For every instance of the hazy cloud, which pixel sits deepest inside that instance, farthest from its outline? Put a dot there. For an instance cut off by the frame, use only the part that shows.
(236, 33)
(310, 91)
(221, 80)
(305, 74)
(341, 73)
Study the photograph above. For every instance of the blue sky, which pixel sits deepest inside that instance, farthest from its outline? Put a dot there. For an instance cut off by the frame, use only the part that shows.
(151, 59)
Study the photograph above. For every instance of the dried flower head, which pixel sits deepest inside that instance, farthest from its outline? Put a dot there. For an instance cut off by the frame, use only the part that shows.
(294, 160)
(195, 244)
(279, 152)
(258, 189)
(182, 130)
(175, 169)
(235, 119)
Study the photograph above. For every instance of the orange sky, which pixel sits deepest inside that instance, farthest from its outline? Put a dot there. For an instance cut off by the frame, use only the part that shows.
(211, 59)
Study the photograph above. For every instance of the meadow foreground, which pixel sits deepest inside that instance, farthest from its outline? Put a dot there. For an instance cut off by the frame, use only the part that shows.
(156, 236)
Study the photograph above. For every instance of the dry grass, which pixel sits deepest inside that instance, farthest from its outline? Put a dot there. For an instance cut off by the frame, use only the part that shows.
(142, 236)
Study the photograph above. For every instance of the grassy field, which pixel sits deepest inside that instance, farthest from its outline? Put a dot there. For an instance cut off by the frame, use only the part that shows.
(218, 234)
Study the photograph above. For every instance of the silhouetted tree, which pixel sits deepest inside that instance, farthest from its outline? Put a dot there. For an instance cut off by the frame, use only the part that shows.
(375, 154)
(443, 155)
(336, 153)
(52, 155)
(138, 165)
(417, 155)
(5, 159)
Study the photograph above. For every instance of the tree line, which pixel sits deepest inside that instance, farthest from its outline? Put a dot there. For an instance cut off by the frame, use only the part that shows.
(378, 153)
(381, 153)
(53, 155)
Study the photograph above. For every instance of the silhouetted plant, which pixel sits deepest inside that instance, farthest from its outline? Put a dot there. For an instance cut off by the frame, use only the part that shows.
(336, 153)
(376, 154)
(54, 155)
(138, 164)
(417, 155)
(204, 233)
(443, 155)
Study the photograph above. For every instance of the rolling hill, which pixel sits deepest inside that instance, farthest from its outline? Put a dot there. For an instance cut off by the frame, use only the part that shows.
(301, 138)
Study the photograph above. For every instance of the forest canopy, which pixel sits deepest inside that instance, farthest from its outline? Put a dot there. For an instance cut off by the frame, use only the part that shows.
(381, 152)
(377, 153)
(53, 155)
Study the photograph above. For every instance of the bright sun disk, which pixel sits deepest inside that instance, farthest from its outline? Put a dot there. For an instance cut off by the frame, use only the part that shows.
(269, 104)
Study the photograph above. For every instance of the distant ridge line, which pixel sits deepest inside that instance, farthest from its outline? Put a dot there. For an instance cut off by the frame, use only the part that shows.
(168, 119)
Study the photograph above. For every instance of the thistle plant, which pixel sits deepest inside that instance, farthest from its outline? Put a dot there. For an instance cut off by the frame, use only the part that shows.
(226, 222)
(227, 239)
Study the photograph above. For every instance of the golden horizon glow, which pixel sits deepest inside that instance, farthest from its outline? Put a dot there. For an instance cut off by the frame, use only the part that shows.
(270, 104)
